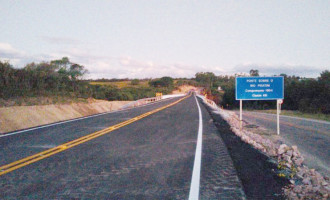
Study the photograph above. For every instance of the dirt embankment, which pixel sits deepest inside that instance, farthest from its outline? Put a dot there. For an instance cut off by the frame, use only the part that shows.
(184, 89)
(21, 117)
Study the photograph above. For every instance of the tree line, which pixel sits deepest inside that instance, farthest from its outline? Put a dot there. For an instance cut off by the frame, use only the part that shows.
(64, 78)
(304, 94)
(35, 79)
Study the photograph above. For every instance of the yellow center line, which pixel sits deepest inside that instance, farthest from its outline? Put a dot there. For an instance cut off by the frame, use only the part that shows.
(44, 154)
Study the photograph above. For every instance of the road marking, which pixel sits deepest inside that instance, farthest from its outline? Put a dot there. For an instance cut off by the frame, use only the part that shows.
(195, 179)
(44, 154)
(72, 120)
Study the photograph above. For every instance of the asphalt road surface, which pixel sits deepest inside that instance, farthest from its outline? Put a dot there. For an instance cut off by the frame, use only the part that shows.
(311, 136)
(151, 158)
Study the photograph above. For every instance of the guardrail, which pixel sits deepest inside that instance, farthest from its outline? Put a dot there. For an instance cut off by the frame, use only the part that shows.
(141, 102)
(172, 96)
(144, 101)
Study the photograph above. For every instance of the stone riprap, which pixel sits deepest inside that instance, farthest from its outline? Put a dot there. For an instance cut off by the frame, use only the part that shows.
(305, 183)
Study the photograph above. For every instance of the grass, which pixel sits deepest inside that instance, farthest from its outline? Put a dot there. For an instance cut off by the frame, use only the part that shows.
(121, 84)
(318, 116)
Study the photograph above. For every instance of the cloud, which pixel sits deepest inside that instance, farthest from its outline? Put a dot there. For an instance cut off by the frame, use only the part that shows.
(289, 69)
(15, 56)
(123, 66)
(101, 66)
(60, 40)
(9, 52)
(128, 67)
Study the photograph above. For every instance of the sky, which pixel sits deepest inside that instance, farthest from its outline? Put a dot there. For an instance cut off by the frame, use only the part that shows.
(177, 38)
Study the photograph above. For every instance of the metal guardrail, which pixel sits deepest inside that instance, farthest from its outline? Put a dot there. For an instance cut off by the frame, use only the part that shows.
(141, 102)
(144, 101)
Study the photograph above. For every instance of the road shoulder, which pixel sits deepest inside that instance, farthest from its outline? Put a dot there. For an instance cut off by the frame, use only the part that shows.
(219, 178)
(253, 167)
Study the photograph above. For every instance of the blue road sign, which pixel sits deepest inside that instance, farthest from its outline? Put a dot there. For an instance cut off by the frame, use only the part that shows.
(259, 88)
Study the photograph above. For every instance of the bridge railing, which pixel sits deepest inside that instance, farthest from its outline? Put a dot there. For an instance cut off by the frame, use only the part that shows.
(145, 101)
(141, 102)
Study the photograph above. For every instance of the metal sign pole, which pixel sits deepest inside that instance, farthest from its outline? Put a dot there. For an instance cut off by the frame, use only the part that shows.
(260, 88)
(278, 116)
(240, 113)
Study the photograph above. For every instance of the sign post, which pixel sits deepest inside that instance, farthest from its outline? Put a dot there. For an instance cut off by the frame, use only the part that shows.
(260, 88)
(240, 114)
(278, 105)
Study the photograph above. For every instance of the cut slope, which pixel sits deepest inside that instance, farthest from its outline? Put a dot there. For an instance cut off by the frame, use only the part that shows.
(22, 117)
(184, 89)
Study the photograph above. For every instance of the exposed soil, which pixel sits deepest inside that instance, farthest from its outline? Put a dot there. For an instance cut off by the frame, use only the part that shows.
(253, 167)
(184, 89)
(21, 117)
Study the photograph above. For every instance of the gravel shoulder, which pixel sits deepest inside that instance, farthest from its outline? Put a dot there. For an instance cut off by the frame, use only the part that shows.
(253, 167)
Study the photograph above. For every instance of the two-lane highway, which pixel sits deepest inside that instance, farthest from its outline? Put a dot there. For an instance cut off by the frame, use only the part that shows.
(311, 136)
(23, 144)
(151, 157)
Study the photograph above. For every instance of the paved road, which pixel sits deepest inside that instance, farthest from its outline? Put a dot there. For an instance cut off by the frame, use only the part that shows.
(152, 158)
(311, 136)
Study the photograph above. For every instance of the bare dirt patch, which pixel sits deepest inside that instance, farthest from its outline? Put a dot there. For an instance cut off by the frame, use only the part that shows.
(184, 89)
(22, 117)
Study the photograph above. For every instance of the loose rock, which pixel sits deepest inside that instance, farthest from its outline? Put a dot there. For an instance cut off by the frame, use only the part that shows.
(307, 181)
(306, 184)
(282, 149)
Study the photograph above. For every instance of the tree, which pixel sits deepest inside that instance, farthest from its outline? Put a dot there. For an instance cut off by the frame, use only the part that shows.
(62, 63)
(135, 82)
(71, 70)
(206, 78)
(324, 96)
(254, 72)
(76, 71)
(325, 77)
(6, 71)
(167, 81)
(162, 82)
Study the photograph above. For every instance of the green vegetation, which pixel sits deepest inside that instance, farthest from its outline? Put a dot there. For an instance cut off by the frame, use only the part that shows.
(58, 77)
(185, 81)
(306, 95)
(125, 89)
(166, 82)
(135, 82)
(121, 84)
(61, 80)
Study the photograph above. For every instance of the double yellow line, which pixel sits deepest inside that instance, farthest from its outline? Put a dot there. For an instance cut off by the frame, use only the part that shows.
(45, 154)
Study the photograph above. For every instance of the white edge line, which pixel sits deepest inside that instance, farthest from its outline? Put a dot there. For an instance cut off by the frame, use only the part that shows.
(195, 179)
(77, 119)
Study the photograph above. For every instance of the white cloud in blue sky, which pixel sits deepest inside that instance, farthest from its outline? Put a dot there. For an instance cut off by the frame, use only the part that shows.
(117, 39)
